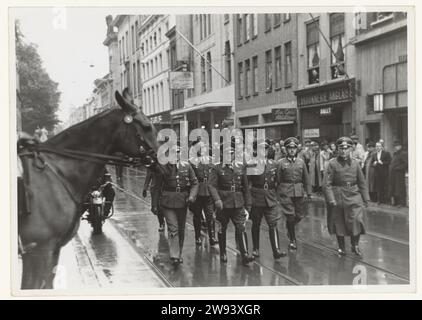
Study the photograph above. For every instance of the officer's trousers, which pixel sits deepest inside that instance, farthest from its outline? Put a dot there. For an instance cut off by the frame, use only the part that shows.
(206, 204)
(236, 215)
(176, 221)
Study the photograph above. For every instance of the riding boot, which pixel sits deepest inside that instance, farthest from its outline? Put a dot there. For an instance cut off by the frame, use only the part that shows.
(161, 222)
(222, 246)
(291, 234)
(211, 231)
(242, 240)
(355, 245)
(255, 239)
(275, 244)
(341, 246)
(197, 227)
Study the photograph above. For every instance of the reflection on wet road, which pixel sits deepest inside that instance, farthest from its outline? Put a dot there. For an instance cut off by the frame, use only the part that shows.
(385, 250)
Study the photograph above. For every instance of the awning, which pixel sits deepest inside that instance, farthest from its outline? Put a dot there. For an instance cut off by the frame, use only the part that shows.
(202, 107)
(268, 124)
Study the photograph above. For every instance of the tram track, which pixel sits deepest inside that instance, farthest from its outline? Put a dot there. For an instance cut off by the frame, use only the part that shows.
(315, 244)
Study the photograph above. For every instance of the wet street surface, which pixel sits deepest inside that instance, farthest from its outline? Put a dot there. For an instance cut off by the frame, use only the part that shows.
(385, 248)
(132, 254)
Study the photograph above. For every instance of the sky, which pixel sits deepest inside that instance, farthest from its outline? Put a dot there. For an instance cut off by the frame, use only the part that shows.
(70, 43)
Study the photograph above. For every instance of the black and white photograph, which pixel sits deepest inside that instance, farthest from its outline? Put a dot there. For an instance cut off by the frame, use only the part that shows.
(211, 150)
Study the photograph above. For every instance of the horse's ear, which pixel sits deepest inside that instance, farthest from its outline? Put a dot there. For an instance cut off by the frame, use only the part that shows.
(126, 105)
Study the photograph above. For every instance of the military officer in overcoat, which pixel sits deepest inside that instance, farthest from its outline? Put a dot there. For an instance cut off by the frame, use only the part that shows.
(202, 166)
(347, 196)
(228, 185)
(293, 185)
(178, 187)
(265, 202)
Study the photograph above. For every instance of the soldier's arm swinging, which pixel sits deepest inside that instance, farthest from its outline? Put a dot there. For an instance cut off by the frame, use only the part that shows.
(306, 181)
(193, 185)
(328, 185)
(156, 191)
(246, 192)
(212, 188)
(363, 188)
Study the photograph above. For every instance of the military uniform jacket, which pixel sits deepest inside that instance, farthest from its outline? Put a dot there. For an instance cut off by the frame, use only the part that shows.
(292, 177)
(263, 186)
(225, 177)
(170, 177)
(202, 171)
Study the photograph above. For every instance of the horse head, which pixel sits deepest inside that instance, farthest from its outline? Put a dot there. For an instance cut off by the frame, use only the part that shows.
(138, 136)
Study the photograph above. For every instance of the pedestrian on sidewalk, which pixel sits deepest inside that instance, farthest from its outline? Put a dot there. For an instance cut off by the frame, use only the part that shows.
(398, 169)
(347, 196)
(325, 156)
(229, 188)
(381, 162)
(293, 184)
(265, 202)
(369, 170)
(333, 149)
(358, 152)
(315, 168)
(202, 166)
(178, 187)
(151, 184)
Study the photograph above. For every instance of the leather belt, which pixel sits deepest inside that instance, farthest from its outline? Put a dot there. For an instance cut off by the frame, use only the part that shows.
(264, 186)
(176, 189)
(345, 184)
(231, 188)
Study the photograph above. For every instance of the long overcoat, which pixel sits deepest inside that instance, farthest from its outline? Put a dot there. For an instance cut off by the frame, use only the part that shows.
(345, 184)
(398, 168)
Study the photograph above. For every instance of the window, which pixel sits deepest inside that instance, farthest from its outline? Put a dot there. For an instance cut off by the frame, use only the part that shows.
(144, 99)
(312, 42)
(149, 100)
(277, 76)
(123, 49)
(204, 26)
(240, 79)
(267, 22)
(247, 20)
(120, 51)
(159, 35)
(135, 93)
(239, 29)
(150, 43)
(162, 93)
(157, 67)
(155, 39)
(255, 75)
(255, 25)
(136, 35)
(127, 44)
(157, 90)
(277, 19)
(268, 71)
(153, 100)
(168, 58)
(286, 17)
(152, 68)
(247, 77)
(228, 62)
(173, 55)
(337, 43)
(209, 74)
(288, 63)
(143, 72)
(203, 81)
(146, 46)
(209, 24)
(394, 80)
(226, 18)
(133, 38)
(138, 68)
(161, 62)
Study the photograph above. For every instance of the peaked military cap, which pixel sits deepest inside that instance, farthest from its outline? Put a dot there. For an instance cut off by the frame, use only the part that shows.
(291, 142)
(344, 142)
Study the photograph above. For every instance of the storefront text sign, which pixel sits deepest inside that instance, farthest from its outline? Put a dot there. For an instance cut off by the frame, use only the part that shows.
(284, 114)
(311, 133)
(325, 111)
(181, 80)
(327, 94)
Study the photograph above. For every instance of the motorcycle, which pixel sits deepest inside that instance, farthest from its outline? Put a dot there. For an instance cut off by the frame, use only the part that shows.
(98, 207)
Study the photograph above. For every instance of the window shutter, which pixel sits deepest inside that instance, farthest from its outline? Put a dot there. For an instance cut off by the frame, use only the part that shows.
(336, 24)
(312, 35)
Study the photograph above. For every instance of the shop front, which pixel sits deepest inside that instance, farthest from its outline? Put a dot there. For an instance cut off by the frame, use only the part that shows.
(326, 111)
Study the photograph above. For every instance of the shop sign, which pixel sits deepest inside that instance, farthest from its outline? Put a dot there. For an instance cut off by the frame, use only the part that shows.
(181, 80)
(325, 111)
(311, 133)
(284, 114)
(337, 94)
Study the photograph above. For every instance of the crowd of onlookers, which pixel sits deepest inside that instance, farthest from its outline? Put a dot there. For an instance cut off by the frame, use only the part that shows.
(384, 170)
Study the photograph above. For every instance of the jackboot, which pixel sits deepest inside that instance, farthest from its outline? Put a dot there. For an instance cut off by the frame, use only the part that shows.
(255, 240)
(275, 244)
(290, 225)
(197, 227)
(341, 246)
(211, 232)
(354, 240)
(242, 240)
(222, 246)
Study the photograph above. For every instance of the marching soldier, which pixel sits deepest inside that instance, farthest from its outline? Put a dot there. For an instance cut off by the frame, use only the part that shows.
(265, 203)
(150, 182)
(346, 194)
(293, 183)
(202, 167)
(178, 187)
(229, 188)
